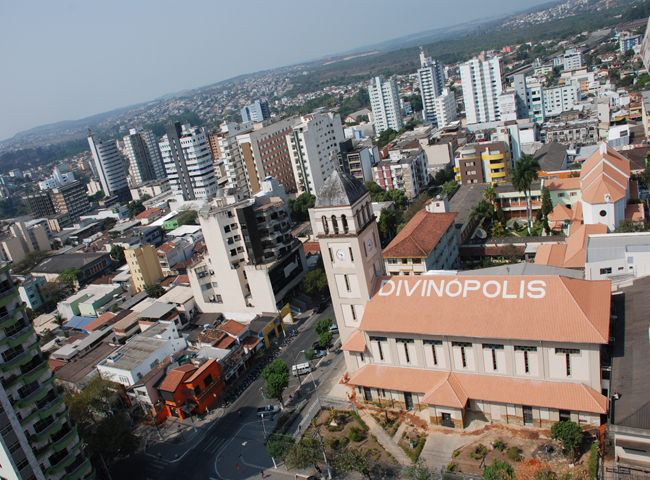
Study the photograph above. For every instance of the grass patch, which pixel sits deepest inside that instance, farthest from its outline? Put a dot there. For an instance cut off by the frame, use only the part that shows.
(593, 461)
(394, 429)
(356, 416)
(514, 454)
(415, 453)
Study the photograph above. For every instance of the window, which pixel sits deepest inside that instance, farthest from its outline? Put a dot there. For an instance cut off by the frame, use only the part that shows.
(462, 346)
(603, 213)
(525, 350)
(218, 299)
(14, 447)
(233, 252)
(560, 195)
(354, 313)
(226, 229)
(433, 344)
(197, 391)
(325, 226)
(215, 284)
(335, 224)
(379, 340)
(361, 357)
(351, 255)
(331, 255)
(347, 282)
(605, 271)
(344, 222)
(494, 349)
(405, 342)
(567, 352)
(630, 259)
(153, 364)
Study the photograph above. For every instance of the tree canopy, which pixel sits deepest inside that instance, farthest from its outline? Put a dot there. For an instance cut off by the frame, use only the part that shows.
(299, 208)
(276, 375)
(136, 208)
(117, 253)
(523, 174)
(499, 470)
(70, 277)
(569, 434)
(154, 291)
(30, 260)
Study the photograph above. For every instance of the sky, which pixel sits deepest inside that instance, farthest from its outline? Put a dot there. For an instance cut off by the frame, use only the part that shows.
(66, 60)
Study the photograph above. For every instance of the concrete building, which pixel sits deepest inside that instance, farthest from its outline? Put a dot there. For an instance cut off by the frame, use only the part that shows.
(561, 98)
(38, 438)
(56, 180)
(357, 160)
(265, 153)
(70, 198)
(130, 363)
(427, 242)
(188, 162)
(405, 169)
(110, 170)
(144, 266)
(153, 188)
(482, 80)
(573, 60)
(384, 101)
(22, 240)
(87, 301)
(535, 101)
(31, 292)
(618, 256)
(252, 261)
(173, 252)
(231, 156)
(313, 145)
(92, 265)
(257, 111)
(431, 79)
(39, 205)
(485, 162)
(628, 42)
(444, 108)
(144, 156)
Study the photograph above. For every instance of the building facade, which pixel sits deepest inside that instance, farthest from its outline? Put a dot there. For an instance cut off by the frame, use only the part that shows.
(431, 78)
(561, 98)
(257, 111)
(233, 164)
(144, 266)
(573, 60)
(405, 169)
(188, 162)
(357, 161)
(38, 438)
(482, 162)
(39, 204)
(313, 145)
(110, 170)
(384, 101)
(482, 80)
(71, 198)
(144, 156)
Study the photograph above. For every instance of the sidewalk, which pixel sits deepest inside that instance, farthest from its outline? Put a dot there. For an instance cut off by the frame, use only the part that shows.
(440, 446)
(385, 439)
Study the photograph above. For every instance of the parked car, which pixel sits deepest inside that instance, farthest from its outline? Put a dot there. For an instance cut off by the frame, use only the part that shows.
(319, 352)
(268, 411)
(316, 345)
(334, 328)
(301, 368)
(322, 307)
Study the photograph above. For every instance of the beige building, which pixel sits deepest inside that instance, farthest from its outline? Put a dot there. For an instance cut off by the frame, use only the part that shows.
(24, 239)
(144, 266)
(522, 350)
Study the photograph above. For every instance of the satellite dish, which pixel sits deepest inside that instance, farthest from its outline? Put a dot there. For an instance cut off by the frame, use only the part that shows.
(480, 233)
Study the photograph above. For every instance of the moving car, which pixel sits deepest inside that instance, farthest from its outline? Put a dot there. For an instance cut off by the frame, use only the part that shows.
(301, 368)
(268, 411)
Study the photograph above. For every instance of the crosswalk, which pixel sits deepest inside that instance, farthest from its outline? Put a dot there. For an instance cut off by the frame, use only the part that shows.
(213, 445)
(156, 467)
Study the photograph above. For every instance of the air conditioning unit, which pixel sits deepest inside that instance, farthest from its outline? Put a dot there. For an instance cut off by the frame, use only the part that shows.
(211, 297)
(211, 272)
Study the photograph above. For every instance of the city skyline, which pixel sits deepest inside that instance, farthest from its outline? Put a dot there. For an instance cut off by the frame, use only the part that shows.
(72, 60)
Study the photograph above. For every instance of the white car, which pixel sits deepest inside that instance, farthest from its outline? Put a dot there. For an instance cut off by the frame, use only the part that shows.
(334, 328)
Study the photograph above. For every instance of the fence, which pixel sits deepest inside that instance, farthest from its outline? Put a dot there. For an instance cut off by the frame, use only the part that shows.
(314, 408)
(623, 473)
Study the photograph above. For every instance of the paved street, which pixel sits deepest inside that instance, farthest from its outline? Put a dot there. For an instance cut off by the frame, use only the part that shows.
(226, 446)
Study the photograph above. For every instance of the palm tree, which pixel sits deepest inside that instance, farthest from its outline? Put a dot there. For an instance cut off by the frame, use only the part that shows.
(490, 194)
(60, 320)
(525, 171)
(480, 210)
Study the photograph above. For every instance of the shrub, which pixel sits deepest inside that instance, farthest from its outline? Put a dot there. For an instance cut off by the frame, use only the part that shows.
(456, 453)
(356, 416)
(335, 428)
(452, 467)
(479, 452)
(513, 454)
(499, 445)
(545, 474)
(338, 443)
(394, 429)
(498, 470)
(593, 460)
(355, 434)
(415, 453)
(516, 225)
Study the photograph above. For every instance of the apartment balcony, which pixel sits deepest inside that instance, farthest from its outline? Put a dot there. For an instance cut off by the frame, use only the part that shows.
(61, 464)
(19, 337)
(63, 441)
(36, 372)
(76, 470)
(52, 428)
(497, 175)
(5, 292)
(498, 156)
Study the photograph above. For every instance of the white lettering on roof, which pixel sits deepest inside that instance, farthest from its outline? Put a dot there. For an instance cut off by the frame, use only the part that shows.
(489, 289)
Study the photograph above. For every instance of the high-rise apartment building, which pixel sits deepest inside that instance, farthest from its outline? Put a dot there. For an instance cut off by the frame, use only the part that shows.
(265, 153)
(38, 439)
(314, 144)
(384, 100)
(252, 262)
(71, 199)
(144, 156)
(444, 108)
(144, 266)
(573, 59)
(39, 205)
(188, 162)
(561, 98)
(357, 160)
(233, 165)
(256, 112)
(109, 167)
(482, 80)
(431, 77)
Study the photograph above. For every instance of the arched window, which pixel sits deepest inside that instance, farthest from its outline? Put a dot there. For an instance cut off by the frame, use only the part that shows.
(344, 222)
(335, 224)
(369, 211)
(363, 215)
(325, 227)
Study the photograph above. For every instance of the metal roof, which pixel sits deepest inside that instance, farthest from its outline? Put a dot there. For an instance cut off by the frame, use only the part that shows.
(157, 310)
(612, 246)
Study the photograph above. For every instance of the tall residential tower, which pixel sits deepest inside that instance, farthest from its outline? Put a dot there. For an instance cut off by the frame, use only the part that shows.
(144, 156)
(384, 100)
(482, 80)
(109, 167)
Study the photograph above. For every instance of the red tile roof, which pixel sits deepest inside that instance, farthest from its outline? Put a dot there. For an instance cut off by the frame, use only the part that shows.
(420, 235)
(311, 247)
(232, 327)
(634, 212)
(178, 280)
(175, 377)
(571, 183)
(355, 342)
(146, 213)
(452, 389)
(200, 370)
(551, 308)
(101, 320)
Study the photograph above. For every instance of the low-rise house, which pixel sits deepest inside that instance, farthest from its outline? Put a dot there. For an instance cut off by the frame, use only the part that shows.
(159, 312)
(74, 375)
(144, 352)
(92, 265)
(618, 256)
(513, 202)
(182, 298)
(31, 292)
(87, 301)
(427, 242)
(173, 252)
(150, 215)
(191, 388)
(144, 391)
(571, 254)
(564, 191)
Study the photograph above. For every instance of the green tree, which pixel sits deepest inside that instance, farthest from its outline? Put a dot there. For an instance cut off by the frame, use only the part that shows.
(628, 225)
(60, 320)
(353, 460)
(108, 223)
(154, 291)
(70, 277)
(525, 172)
(547, 203)
(314, 282)
(279, 447)
(489, 194)
(325, 340)
(419, 471)
(444, 175)
(449, 188)
(30, 260)
(276, 375)
(480, 210)
(303, 454)
(398, 197)
(117, 253)
(415, 101)
(373, 187)
(323, 325)
(309, 355)
(96, 196)
(499, 470)
(299, 208)
(136, 208)
(569, 434)
(388, 222)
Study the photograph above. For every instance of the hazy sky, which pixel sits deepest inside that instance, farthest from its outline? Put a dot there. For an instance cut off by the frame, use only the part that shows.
(65, 60)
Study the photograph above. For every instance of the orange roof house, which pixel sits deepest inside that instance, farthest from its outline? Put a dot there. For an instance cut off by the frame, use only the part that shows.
(573, 253)
(189, 388)
(420, 235)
